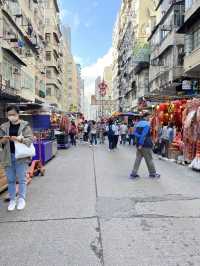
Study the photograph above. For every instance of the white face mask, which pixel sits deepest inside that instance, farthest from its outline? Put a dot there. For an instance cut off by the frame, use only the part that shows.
(13, 118)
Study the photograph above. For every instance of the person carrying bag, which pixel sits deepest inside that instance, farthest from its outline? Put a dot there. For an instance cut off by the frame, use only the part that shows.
(16, 140)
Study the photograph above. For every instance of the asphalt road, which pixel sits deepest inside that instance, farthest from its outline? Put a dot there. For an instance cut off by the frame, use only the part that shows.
(85, 211)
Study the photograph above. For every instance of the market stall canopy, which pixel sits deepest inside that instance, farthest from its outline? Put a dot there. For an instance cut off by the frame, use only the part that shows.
(116, 114)
(131, 114)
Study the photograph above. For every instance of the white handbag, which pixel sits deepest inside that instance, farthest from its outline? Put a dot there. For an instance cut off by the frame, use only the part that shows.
(23, 151)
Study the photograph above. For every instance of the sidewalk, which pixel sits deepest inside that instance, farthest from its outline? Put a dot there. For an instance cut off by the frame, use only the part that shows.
(86, 211)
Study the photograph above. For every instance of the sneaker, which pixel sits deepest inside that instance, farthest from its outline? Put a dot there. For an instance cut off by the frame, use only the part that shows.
(134, 176)
(21, 204)
(12, 205)
(154, 176)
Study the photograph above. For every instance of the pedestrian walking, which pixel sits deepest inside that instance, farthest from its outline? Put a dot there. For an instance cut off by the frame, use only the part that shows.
(116, 135)
(12, 132)
(123, 133)
(102, 132)
(144, 148)
(93, 140)
(131, 134)
(110, 129)
(73, 133)
(85, 136)
(166, 139)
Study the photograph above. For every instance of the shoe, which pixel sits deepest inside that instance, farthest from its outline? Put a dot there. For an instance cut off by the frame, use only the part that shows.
(12, 205)
(154, 176)
(134, 176)
(21, 204)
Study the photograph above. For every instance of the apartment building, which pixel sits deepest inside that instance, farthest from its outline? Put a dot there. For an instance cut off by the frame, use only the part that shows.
(22, 50)
(64, 51)
(166, 71)
(79, 84)
(130, 70)
(191, 29)
(126, 83)
(108, 98)
(53, 54)
(145, 21)
(115, 66)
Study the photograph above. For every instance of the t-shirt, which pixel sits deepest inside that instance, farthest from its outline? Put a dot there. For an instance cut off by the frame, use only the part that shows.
(165, 133)
(123, 129)
(13, 132)
(94, 129)
(86, 128)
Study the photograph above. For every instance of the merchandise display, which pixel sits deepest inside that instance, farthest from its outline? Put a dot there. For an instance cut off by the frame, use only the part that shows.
(185, 116)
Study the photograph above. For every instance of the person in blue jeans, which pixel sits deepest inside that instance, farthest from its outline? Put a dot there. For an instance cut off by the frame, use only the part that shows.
(15, 130)
(144, 145)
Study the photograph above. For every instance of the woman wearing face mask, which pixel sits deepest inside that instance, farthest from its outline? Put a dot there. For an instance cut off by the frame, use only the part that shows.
(15, 130)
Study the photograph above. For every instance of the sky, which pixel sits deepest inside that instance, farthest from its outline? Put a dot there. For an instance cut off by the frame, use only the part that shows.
(91, 23)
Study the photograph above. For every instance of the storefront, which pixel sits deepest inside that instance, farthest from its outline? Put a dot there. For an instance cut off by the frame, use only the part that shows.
(185, 116)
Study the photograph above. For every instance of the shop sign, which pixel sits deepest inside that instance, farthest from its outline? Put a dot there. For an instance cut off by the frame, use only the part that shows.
(186, 85)
(170, 108)
(141, 52)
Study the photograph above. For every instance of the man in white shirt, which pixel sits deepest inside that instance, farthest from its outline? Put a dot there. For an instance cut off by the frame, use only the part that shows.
(85, 137)
(123, 133)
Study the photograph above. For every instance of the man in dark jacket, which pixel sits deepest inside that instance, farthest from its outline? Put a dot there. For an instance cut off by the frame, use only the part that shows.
(144, 144)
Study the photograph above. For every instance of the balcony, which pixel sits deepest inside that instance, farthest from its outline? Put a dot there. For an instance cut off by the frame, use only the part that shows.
(164, 73)
(171, 39)
(192, 63)
(53, 63)
(54, 81)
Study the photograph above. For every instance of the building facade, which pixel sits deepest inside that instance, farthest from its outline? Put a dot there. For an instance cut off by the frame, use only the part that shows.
(191, 29)
(167, 50)
(108, 98)
(53, 54)
(22, 50)
(36, 64)
(131, 52)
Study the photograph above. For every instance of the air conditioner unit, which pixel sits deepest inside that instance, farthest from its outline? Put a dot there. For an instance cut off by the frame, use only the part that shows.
(28, 53)
(16, 71)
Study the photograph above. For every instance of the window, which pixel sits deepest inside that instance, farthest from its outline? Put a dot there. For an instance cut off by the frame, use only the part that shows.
(47, 21)
(179, 15)
(188, 4)
(48, 56)
(48, 91)
(196, 39)
(48, 37)
(49, 73)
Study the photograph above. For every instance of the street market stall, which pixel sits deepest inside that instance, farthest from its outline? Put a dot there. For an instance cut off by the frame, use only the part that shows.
(185, 116)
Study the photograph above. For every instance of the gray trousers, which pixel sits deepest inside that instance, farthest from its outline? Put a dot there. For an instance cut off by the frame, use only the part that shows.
(145, 153)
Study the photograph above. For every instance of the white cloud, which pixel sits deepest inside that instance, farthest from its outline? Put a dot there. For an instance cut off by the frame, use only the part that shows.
(91, 72)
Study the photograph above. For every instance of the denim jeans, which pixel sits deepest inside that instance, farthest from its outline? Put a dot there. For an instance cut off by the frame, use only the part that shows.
(111, 142)
(17, 171)
(93, 139)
